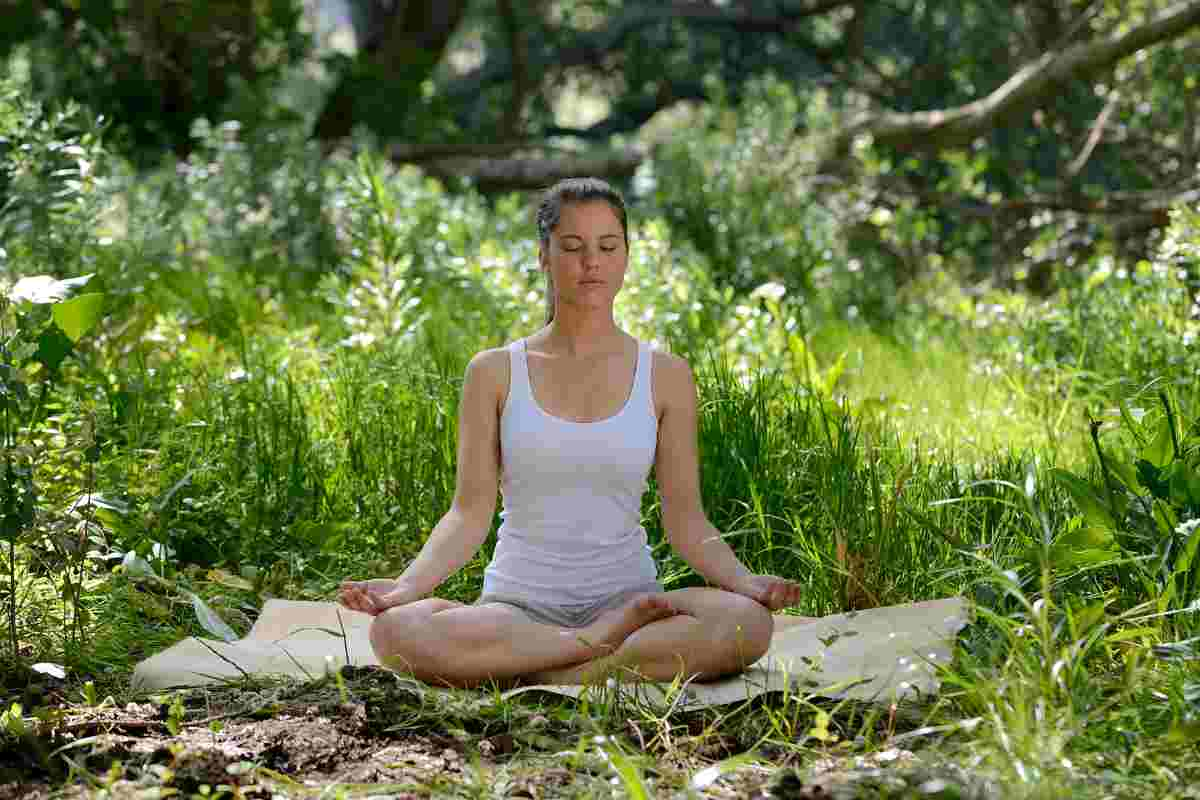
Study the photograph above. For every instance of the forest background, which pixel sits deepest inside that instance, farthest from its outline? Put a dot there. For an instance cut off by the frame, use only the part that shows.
(936, 264)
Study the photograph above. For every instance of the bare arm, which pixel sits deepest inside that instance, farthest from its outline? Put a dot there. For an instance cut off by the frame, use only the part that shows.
(677, 468)
(462, 530)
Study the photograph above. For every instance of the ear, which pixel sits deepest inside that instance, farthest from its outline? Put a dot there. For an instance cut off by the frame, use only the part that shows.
(543, 259)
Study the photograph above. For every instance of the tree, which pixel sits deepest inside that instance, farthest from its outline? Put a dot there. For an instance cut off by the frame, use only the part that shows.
(402, 41)
(1056, 128)
(154, 66)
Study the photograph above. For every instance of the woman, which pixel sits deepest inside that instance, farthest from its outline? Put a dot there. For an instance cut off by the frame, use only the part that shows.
(569, 422)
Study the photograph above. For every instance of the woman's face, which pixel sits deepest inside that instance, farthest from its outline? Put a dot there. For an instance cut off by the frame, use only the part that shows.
(586, 255)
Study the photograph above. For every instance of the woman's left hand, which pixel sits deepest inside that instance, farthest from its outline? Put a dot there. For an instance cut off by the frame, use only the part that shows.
(772, 592)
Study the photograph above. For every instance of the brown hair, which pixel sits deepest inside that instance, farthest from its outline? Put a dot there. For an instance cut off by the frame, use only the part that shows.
(569, 191)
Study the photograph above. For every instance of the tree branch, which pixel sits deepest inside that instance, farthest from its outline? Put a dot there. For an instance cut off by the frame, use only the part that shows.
(1094, 137)
(1154, 202)
(1033, 83)
(533, 174)
(590, 47)
(419, 153)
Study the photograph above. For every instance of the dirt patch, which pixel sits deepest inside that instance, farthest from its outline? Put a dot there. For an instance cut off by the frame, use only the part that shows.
(370, 733)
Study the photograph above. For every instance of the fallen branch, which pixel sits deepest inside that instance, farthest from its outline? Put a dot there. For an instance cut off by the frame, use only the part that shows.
(532, 174)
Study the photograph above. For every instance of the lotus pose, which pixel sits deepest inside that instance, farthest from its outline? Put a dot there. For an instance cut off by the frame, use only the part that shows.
(568, 422)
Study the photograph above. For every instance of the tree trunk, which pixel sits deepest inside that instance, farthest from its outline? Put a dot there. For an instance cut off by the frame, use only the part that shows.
(405, 40)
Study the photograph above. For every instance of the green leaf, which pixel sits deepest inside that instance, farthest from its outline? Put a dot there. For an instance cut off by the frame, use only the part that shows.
(628, 772)
(209, 619)
(1183, 483)
(1193, 485)
(1131, 424)
(1151, 478)
(1085, 618)
(53, 347)
(833, 375)
(230, 580)
(1084, 546)
(80, 314)
(1122, 471)
(1160, 450)
(1129, 634)
(1182, 572)
(1165, 517)
(1184, 732)
(1091, 505)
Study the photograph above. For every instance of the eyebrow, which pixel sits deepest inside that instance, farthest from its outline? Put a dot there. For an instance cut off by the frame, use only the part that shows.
(602, 236)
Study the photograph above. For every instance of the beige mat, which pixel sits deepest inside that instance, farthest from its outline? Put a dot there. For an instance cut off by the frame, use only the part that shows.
(881, 654)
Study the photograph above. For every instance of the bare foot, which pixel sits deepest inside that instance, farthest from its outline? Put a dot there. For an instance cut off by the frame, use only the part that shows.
(605, 635)
(612, 628)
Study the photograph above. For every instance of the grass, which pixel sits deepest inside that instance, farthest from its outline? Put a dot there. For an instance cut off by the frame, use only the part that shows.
(296, 483)
(979, 403)
(266, 432)
(292, 466)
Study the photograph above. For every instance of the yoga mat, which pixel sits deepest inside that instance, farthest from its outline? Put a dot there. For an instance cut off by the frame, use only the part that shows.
(881, 654)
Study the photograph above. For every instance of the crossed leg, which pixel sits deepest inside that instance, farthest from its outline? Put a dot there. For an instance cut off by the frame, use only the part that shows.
(715, 633)
(704, 633)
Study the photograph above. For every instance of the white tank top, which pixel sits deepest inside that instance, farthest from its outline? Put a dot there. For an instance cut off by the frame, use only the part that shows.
(571, 531)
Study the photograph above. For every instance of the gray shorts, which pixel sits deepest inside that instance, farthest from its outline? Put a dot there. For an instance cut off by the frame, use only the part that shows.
(575, 615)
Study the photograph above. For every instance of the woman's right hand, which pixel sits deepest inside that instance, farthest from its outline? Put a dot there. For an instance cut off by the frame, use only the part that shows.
(373, 596)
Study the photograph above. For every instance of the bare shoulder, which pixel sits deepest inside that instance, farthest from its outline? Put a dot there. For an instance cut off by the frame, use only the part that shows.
(487, 373)
(673, 381)
(488, 362)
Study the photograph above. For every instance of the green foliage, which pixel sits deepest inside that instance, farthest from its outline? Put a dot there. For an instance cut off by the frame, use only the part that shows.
(731, 187)
(254, 199)
(1142, 508)
(40, 322)
(51, 189)
(412, 263)
(256, 393)
(154, 68)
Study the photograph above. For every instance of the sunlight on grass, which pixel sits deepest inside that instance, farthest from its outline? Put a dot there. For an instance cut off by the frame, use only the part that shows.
(941, 396)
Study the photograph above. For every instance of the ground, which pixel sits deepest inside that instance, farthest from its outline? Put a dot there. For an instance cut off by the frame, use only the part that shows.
(372, 734)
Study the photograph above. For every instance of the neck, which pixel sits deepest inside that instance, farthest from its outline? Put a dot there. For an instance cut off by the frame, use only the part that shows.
(583, 333)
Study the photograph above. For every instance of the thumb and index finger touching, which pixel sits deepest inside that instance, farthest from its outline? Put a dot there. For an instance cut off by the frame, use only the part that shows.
(355, 596)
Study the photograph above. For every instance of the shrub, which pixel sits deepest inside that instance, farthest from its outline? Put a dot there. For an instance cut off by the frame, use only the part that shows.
(736, 188)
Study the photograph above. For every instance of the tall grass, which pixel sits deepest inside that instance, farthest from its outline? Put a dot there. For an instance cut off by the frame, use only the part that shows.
(354, 465)
(273, 405)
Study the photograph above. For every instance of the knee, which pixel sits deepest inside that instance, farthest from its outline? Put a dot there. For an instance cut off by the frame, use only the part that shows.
(386, 632)
(407, 639)
(750, 627)
(401, 637)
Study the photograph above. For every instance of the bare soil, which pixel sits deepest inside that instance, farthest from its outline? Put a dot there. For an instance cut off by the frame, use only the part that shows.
(375, 735)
